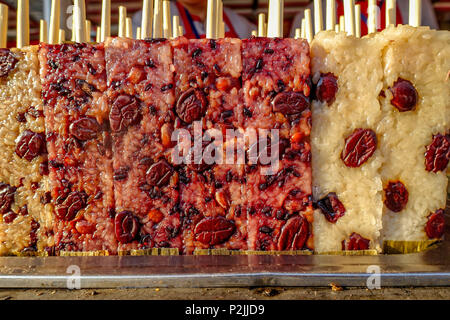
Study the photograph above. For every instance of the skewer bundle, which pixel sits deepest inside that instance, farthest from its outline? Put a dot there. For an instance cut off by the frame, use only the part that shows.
(140, 207)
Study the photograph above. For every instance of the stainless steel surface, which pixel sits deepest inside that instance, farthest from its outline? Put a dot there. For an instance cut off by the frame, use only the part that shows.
(429, 268)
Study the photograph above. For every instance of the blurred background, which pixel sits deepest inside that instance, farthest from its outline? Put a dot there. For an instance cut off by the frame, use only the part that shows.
(40, 9)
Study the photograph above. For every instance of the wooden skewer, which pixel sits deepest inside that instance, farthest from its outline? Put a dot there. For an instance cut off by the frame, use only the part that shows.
(349, 14)
(43, 31)
(181, 31)
(55, 12)
(318, 16)
(3, 25)
(147, 16)
(220, 22)
(275, 19)
(298, 33)
(341, 24)
(106, 20)
(61, 36)
(415, 10)
(167, 22)
(138, 33)
(23, 23)
(303, 29)
(308, 26)
(98, 36)
(175, 26)
(129, 28)
(372, 16)
(80, 20)
(88, 30)
(331, 14)
(261, 24)
(158, 20)
(122, 21)
(358, 21)
(211, 20)
(390, 12)
(337, 28)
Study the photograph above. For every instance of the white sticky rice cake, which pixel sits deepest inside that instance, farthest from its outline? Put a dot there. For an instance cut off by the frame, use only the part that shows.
(356, 63)
(422, 57)
(26, 218)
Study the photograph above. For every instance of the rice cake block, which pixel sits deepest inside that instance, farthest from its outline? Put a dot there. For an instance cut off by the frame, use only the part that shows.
(141, 98)
(73, 78)
(347, 187)
(415, 132)
(207, 92)
(275, 89)
(25, 215)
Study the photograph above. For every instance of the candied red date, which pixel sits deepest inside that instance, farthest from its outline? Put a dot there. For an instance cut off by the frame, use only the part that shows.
(396, 196)
(9, 217)
(69, 208)
(85, 128)
(126, 226)
(289, 103)
(293, 234)
(30, 145)
(125, 112)
(435, 225)
(355, 242)
(191, 105)
(7, 193)
(159, 173)
(359, 147)
(331, 207)
(213, 231)
(437, 154)
(404, 95)
(7, 62)
(327, 88)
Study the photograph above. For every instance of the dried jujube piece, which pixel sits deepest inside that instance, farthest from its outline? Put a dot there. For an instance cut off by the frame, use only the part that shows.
(30, 145)
(331, 207)
(395, 196)
(355, 242)
(437, 153)
(7, 62)
(126, 226)
(125, 112)
(327, 88)
(84, 129)
(9, 217)
(159, 173)
(68, 209)
(191, 105)
(289, 103)
(359, 147)
(404, 95)
(214, 230)
(293, 234)
(435, 225)
(7, 193)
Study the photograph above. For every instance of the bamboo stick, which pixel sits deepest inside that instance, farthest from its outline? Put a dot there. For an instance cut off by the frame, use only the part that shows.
(349, 15)
(23, 23)
(106, 20)
(147, 18)
(98, 35)
(43, 31)
(80, 20)
(88, 30)
(390, 12)
(415, 10)
(331, 14)
(55, 15)
(122, 21)
(372, 16)
(3, 25)
(275, 19)
(211, 20)
(308, 26)
(318, 16)
(176, 26)
(358, 21)
(167, 21)
(61, 36)
(158, 20)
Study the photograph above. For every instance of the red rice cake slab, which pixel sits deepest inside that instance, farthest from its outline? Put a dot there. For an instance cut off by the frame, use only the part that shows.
(207, 77)
(275, 88)
(73, 81)
(141, 98)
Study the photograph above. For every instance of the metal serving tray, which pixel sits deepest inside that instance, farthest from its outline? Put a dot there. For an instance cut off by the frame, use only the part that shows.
(429, 268)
